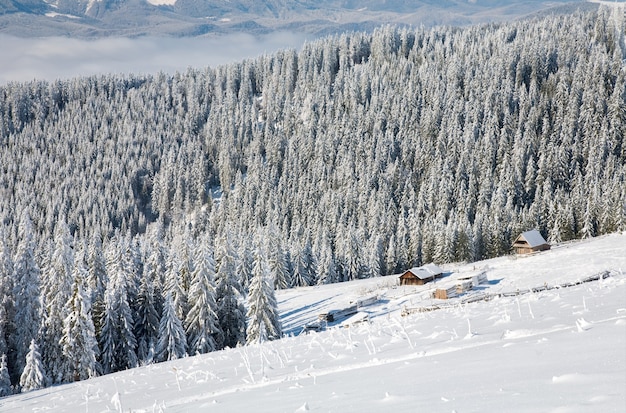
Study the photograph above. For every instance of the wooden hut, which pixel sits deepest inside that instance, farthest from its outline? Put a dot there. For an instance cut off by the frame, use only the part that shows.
(421, 275)
(529, 242)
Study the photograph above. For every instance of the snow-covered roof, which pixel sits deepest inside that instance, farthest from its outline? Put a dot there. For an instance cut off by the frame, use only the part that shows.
(420, 273)
(432, 269)
(426, 271)
(533, 238)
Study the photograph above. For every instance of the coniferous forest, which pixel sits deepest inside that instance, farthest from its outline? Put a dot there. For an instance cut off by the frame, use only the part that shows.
(144, 218)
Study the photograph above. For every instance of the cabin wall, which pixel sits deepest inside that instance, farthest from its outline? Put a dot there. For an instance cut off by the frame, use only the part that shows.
(529, 250)
(413, 281)
(523, 250)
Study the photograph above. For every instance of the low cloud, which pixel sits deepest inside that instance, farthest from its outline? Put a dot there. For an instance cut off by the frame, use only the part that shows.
(51, 58)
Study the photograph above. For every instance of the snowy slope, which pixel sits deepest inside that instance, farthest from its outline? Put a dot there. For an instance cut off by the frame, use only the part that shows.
(556, 350)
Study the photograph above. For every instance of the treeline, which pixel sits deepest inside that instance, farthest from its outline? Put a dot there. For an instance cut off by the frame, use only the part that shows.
(360, 155)
(82, 308)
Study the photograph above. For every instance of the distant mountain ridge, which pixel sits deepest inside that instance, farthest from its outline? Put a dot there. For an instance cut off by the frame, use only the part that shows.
(100, 18)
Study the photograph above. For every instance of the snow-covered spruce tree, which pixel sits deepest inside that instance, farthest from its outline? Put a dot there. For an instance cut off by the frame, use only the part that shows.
(117, 339)
(402, 243)
(326, 266)
(310, 261)
(96, 279)
(414, 244)
(201, 324)
(78, 340)
(146, 317)
(27, 320)
(182, 247)
(244, 264)
(391, 261)
(230, 311)
(6, 293)
(263, 320)
(172, 343)
(34, 376)
(5, 380)
(56, 291)
(123, 283)
(174, 284)
(107, 338)
(301, 265)
(279, 269)
(375, 256)
(353, 251)
(155, 267)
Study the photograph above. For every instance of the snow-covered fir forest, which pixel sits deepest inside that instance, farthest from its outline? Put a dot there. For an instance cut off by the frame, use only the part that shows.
(146, 218)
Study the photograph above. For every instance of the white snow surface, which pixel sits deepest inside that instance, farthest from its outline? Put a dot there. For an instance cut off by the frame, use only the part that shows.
(54, 14)
(555, 350)
(162, 2)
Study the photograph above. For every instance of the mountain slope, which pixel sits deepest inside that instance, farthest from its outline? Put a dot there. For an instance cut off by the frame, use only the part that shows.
(409, 146)
(560, 349)
(192, 17)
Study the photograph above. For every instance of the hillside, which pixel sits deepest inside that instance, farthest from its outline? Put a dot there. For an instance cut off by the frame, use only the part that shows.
(559, 349)
(411, 141)
(155, 205)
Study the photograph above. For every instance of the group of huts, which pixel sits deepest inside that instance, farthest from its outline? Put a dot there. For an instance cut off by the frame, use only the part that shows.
(526, 243)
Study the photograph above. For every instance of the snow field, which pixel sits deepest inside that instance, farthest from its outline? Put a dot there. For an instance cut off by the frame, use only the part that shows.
(559, 350)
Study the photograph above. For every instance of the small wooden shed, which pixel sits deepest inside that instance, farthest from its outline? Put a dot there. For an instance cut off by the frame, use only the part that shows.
(529, 242)
(446, 293)
(421, 275)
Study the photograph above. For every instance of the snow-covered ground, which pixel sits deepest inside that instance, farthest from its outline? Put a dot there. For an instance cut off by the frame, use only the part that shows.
(555, 350)
(162, 2)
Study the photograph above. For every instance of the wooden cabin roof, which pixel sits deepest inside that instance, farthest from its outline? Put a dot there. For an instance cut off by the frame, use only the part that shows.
(531, 239)
(433, 269)
(424, 272)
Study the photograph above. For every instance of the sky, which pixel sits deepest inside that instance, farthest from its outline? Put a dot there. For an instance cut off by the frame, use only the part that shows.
(25, 59)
